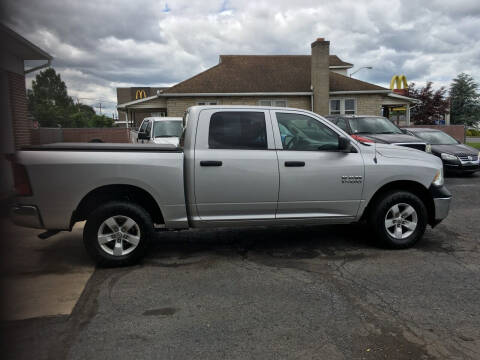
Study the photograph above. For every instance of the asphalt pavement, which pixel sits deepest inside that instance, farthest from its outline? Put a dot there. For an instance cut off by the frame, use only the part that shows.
(277, 293)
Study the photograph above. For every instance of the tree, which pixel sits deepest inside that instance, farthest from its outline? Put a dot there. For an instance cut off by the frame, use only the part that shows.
(465, 100)
(434, 104)
(49, 103)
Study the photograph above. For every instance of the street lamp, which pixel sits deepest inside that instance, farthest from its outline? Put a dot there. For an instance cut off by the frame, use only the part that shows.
(363, 67)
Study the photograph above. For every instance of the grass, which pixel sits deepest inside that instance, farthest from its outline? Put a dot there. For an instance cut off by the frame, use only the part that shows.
(475, 145)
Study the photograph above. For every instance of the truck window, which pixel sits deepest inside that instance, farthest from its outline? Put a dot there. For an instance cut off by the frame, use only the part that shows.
(148, 129)
(303, 133)
(237, 130)
(342, 124)
(143, 126)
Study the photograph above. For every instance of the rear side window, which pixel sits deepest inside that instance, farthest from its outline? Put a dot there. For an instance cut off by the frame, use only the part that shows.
(237, 130)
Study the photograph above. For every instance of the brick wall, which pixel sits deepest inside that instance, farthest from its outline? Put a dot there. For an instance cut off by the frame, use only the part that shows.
(456, 131)
(107, 135)
(110, 135)
(176, 106)
(22, 126)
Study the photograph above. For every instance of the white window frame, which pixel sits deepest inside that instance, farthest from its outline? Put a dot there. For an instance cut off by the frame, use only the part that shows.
(273, 102)
(330, 107)
(342, 106)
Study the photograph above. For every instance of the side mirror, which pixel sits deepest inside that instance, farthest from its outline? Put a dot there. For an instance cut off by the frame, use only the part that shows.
(344, 144)
(143, 136)
(404, 131)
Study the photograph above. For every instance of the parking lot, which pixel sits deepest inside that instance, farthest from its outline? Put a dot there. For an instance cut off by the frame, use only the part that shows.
(283, 293)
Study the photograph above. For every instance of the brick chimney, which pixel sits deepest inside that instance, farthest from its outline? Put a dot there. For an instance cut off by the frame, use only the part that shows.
(320, 73)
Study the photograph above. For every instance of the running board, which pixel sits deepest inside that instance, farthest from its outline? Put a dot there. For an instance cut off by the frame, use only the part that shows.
(48, 233)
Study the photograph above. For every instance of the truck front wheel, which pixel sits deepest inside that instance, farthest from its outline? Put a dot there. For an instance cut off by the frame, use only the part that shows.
(398, 219)
(117, 233)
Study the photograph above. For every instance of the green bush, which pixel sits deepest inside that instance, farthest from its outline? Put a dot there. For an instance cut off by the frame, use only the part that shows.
(473, 132)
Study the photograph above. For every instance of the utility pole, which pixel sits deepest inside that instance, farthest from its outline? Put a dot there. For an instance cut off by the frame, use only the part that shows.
(100, 105)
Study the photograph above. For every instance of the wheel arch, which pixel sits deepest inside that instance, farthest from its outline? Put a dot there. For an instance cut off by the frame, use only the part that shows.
(404, 185)
(105, 193)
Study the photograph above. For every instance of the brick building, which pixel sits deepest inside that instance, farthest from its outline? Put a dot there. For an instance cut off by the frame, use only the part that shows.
(317, 82)
(15, 123)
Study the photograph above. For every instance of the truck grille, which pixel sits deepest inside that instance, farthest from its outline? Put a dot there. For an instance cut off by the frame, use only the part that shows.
(413, 146)
(466, 157)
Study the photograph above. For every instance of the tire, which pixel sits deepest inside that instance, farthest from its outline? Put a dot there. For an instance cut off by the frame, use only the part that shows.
(392, 226)
(117, 234)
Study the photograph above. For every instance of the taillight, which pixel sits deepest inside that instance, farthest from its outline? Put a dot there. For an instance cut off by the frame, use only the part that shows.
(362, 139)
(21, 181)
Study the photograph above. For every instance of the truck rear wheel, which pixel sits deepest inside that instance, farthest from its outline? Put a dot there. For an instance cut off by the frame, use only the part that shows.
(117, 233)
(398, 219)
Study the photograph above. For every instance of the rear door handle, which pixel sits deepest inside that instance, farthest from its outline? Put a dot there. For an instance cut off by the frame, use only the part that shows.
(294, 163)
(210, 163)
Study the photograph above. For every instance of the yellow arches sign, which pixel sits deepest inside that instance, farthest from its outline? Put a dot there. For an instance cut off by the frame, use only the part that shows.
(140, 94)
(397, 82)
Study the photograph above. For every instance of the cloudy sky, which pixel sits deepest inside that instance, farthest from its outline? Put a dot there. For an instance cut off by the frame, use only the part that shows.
(103, 44)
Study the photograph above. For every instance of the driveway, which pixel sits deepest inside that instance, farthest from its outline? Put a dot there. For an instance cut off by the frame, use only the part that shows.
(283, 293)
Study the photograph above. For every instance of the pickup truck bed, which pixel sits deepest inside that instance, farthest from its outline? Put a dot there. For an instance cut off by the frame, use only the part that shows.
(64, 176)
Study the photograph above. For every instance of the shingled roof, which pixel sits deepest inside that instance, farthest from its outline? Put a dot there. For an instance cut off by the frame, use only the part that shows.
(265, 73)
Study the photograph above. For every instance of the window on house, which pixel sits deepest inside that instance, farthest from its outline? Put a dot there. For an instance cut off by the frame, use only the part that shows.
(207, 102)
(334, 107)
(237, 130)
(279, 103)
(342, 106)
(349, 106)
(161, 113)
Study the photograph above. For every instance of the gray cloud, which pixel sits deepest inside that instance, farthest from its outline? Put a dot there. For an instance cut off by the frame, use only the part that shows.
(99, 45)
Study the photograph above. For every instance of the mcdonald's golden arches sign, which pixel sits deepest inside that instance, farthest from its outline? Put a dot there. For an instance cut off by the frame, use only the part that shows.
(398, 82)
(140, 94)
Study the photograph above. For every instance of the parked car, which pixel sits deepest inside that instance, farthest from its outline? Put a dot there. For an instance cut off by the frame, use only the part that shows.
(158, 130)
(237, 166)
(378, 129)
(456, 157)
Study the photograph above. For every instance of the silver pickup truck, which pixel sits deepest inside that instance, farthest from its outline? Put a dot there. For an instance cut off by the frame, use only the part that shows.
(235, 166)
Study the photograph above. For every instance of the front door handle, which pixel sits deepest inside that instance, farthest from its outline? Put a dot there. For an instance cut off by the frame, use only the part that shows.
(294, 163)
(210, 163)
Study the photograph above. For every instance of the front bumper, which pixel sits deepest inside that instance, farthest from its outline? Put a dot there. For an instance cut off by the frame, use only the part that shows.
(441, 201)
(26, 215)
(442, 207)
(461, 166)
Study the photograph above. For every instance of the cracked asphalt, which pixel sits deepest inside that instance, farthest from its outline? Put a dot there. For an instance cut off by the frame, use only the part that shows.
(279, 293)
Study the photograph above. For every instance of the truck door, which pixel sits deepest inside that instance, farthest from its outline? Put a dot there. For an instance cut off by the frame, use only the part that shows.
(316, 180)
(236, 168)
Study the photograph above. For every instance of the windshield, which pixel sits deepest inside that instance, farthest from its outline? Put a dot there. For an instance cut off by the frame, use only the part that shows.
(167, 128)
(436, 137)
(373, 125)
